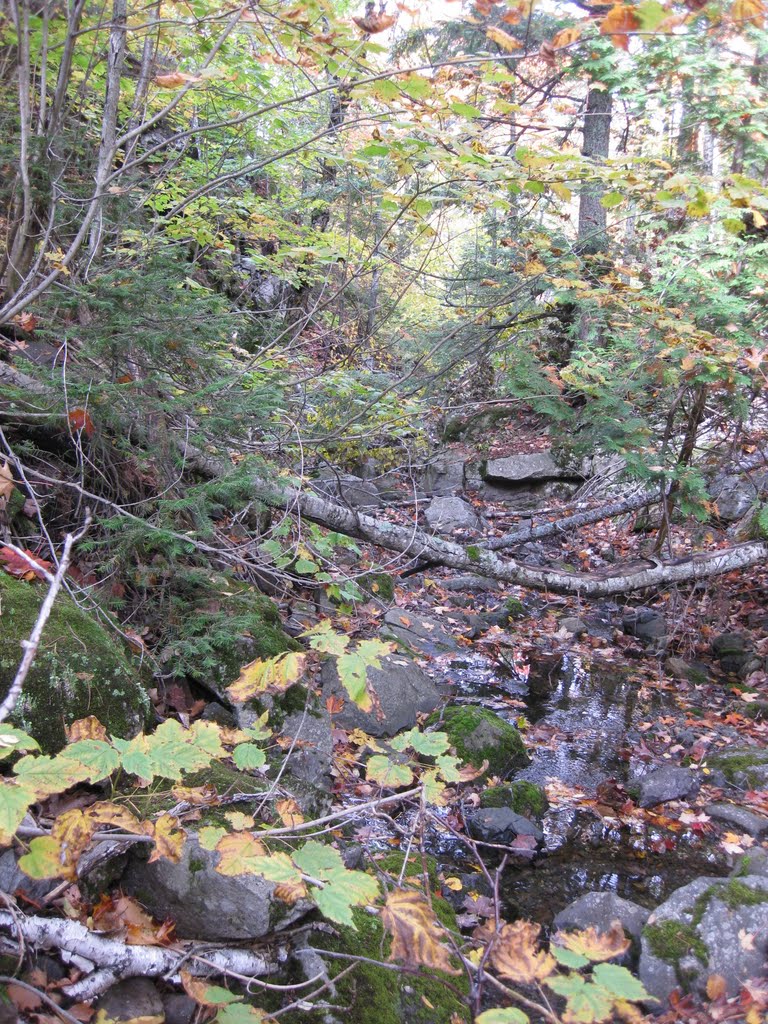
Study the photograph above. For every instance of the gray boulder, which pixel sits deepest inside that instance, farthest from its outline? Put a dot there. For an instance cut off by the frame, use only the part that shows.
(402, 691)
(667, 783)
(13, 878)
(312, 754)
(754, 862)
(573, 624)
(515, 469)
(448, 514)
(205, 904)
(443, 476)
(733, 651)
(501, 825)
(735, 495)
(599, 910)
(711, 926)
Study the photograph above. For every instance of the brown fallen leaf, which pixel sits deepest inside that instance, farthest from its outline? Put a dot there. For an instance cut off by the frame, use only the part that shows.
(516, 957)
(594, 945)
(416, 933)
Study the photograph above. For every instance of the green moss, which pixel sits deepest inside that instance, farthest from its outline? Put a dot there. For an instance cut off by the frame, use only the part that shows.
(671, 941)
(380, 584)
(521, 796)
(734, 894)
(473, 553)
(479, 735)
(757, 710)
(739, 763)
(392, 865)
(79, 669)
(514, 607)
(376, 995)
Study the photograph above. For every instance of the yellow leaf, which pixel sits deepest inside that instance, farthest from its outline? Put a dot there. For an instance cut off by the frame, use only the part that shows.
(566, 36)
(454, 884)
(503, 39)
(516, 957)
(6, 483)
(416, 933)
(169, 845)
(289, 812)
(273, 675)
(749, 12)
(596, 945)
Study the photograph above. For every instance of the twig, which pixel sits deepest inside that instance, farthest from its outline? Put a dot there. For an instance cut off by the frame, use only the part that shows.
(43, 996)
(30, 646)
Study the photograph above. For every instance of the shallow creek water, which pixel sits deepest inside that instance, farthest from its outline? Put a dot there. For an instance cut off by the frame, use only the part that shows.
(585, 722)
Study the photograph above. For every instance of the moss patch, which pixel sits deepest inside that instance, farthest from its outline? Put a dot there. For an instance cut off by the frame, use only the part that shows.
(671, 941)
(480, 735)
(734, 894)
(738, 763)
(380, 584)
(522, 797)
(79, 669)
(376, 995)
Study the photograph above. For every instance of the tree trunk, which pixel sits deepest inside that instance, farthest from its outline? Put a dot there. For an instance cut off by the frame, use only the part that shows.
(593, 222)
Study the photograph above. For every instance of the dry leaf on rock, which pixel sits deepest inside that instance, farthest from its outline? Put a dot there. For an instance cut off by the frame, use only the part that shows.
(416, 933)
(516, 956)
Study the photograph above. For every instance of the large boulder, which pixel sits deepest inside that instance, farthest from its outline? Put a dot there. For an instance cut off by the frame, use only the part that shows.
(516, 469)
(80, 669)
(349, 490)
(599, 910)
(710, 926)
(448, 514)
(445, 475)
(735, 495)
(402, 692)
(478, 735)
(205, 904)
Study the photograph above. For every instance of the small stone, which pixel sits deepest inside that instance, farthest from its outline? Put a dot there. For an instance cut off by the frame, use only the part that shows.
(135, 999)
(179, 1008)
(573, 624)
(667, 783)
(501, 825)
(746, 821)
(644, 623)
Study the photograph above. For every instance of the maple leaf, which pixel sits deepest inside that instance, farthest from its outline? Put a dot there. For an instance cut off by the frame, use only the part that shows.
(596, 945)
(566, 36)
(204, 993)
(620, 20)
(516, 957)
(749, 12)
(273, 675)
(416, 933)
(89, 728)
(169, 845)
(289, 812)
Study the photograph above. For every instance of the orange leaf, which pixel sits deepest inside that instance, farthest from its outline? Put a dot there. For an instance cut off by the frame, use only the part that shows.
(566, 36)
(503, 39)
(89, 728)
(596, 945)
(620, 20)
(79, 419)
(174, 80)
(289, 812)
(24, 568)
(375, 23)
(168, 844)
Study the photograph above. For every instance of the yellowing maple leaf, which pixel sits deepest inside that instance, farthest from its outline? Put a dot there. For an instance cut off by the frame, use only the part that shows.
(596, 945)
(503, 39)
(516, 957)
(416, 933)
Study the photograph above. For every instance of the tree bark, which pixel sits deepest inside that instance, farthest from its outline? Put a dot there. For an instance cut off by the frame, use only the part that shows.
(593, 220)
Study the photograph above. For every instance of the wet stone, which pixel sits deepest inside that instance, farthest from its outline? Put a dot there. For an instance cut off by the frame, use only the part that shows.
(502, 825)
(739, 817)
(600, 910)
(135, 999)
(667, 783)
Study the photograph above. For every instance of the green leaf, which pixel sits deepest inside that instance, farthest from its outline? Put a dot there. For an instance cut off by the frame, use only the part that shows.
(611, 199)
(15, 800)
(568, 958)
(353, 668)
(536, 187)
(384, 771)
(239, 1013)
(100, 759)
(12, 739)
(344, 891)
(587, 1003)
(326, 640)
(215, 995)
(374, 149)
(417, 87)
(318, 859)
(305, 567)
(619, 982)
(210, 836)
(43, 859)
(430, 744)
(503, 1015)
(248, 756)
(465, 110)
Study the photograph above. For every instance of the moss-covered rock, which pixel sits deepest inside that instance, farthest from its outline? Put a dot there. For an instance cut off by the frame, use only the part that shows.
(79, 669)
(742, 766)
(521, 796)
(479, 735)
(376, 995)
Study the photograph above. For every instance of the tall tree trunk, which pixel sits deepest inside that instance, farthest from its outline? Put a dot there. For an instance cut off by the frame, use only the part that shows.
(593, 222)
